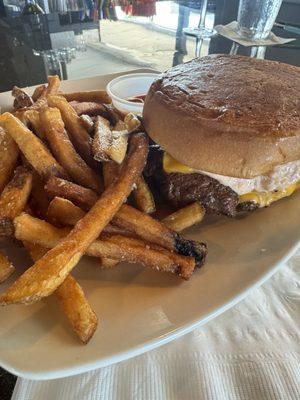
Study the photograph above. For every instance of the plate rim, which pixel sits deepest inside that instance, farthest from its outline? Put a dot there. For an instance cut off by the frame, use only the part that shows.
(153, 343)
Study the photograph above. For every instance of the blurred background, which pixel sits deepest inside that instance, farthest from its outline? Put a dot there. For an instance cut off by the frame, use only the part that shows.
(80, 38)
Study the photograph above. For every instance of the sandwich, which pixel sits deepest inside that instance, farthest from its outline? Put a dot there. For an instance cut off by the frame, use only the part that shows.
(227, 130)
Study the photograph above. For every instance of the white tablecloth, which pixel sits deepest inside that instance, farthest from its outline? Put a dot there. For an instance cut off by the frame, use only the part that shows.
(250, 352)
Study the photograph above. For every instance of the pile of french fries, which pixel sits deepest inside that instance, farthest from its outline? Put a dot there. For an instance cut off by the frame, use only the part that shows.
(68, 163)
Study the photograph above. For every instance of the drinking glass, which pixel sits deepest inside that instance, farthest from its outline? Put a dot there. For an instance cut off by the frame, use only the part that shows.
(256, 18)
(201, 31)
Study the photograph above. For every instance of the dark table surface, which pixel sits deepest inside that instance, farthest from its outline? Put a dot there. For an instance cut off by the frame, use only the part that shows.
(225, 11)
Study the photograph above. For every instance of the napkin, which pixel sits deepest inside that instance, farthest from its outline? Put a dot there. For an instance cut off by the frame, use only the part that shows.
(252, 351)
(229, 31)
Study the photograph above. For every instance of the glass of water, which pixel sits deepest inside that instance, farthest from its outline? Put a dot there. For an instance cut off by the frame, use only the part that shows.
(256, 18)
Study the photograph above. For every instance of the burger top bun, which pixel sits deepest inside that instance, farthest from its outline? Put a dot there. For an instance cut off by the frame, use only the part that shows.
(230, 115)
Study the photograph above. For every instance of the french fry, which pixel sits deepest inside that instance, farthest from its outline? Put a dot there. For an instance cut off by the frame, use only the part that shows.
(102, 139)
(13, 199)
(185, 217)
(32, 148)
(63, 212)
(53, 84)
(71, 299)
(38, 91)
(131, 122)
(110, 171)
(77, 133)
(44, 277)
(108, 145)
(22, 99)
(89, 108)
(116, 247)
(131, 220)
(87, 123)
(33, 118)
(107, 263)
(97, 96)
(80, 196)
(143, 197)
(64, 151)
(9, 153)
(6, 267)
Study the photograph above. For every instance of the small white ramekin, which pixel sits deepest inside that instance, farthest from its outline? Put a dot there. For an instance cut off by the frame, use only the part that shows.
(130, 85)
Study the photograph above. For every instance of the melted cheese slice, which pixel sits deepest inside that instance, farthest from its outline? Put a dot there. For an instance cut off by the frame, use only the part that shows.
(170, 165)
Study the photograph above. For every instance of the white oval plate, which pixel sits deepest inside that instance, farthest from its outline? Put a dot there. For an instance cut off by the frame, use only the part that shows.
(140, 309)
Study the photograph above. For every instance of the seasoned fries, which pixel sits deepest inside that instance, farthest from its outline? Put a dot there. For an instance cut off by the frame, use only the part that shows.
(50, 271)
(185, 217)
(109, 145)
(13, 199)
(143, 197)
(110, 172)
(32, 148)
(6, 267)
(9, 153)
(97, 96)
(82, 197)
(77, 133)
(71, 299)
(64, 151)
(63, 212)
(53, 84)
(102, 139)
(109, 246)
(54, 202)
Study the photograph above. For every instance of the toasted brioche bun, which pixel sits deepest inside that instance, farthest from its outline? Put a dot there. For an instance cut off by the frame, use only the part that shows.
(230, 115)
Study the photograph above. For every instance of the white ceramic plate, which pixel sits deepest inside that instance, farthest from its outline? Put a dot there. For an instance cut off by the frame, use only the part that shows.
(140, 309)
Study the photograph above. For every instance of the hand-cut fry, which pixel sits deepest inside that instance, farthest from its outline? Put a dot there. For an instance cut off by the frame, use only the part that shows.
(87, 123)
(131, 122)
(77, 133)
(71, 299)
(50, 271)
(154, 231)
(6, 267)
(109, 246)
(143, 197)
(38, 91)
(63, 212)
(9, 153)
(89, 108)
(41, 101)
(97, 96)
(185, 217)
(131, 220)
(113, 114)
(22, 99)
(32, 148)
(33, 118)
(108, 145)
(77, 308)
(13, 199)
(82, 197)
(110, 172)
(64, 151)
(102, 139)
(53, 84)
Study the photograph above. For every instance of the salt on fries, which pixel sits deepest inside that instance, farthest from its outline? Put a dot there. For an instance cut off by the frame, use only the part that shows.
(71, 299)
(14, 198)
(49, 272)
(6, 267)
(61, 203)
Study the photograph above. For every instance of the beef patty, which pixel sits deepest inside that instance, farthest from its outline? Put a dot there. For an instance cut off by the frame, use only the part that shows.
(182, 189)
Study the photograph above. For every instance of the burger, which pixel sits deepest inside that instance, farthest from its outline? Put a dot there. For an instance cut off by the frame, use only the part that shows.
(228, 131)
